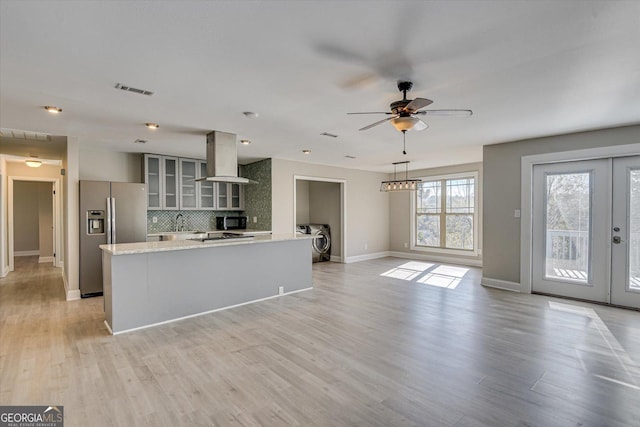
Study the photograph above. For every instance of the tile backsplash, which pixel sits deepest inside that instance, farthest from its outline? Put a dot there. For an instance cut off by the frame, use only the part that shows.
(193, 220)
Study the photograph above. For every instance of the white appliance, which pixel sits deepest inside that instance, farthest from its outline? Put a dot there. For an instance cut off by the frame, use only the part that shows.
(321, 245)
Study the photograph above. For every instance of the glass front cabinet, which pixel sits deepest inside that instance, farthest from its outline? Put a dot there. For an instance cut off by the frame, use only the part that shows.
(206, 193)
(172, 184)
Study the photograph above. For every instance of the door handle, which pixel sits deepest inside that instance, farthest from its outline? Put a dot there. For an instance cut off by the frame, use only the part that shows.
(617, 239)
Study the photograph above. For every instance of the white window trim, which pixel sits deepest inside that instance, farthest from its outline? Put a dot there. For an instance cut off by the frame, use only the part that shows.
(461, 252)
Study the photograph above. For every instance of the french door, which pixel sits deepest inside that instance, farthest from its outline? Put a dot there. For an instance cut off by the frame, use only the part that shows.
(586, 230)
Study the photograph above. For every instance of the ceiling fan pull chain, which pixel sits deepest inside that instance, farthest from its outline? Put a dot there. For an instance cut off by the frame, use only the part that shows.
(404, 142)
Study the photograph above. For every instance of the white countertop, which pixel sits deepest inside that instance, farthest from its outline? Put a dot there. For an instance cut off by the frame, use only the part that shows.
(178, 245)
(243, 232)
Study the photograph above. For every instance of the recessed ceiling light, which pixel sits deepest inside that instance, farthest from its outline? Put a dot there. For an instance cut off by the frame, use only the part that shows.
(306, 151)
(152, 125)
(140, 141)
(250, 114)
(53, 109)
(32, 163)
(245, 142)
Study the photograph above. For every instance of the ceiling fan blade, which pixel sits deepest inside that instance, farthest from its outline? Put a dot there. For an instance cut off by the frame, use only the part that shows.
(454, 113)
(420, 125)
(417, 104)
(373, 112)
(379, 122)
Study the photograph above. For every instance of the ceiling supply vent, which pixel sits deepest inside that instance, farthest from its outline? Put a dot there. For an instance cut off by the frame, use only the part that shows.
(350, 157)
(133, 89)
(331, 135)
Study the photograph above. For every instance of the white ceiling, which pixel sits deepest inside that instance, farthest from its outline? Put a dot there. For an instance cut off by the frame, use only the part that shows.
(526, 69)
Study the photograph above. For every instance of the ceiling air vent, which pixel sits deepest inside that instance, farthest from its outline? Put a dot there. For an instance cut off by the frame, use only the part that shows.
(24, 134)
(133, 89)
(331, 135)
(350, 157)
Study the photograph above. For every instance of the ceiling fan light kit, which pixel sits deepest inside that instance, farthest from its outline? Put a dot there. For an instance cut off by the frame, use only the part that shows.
(404, 124)
(404, 111)
(405, 184)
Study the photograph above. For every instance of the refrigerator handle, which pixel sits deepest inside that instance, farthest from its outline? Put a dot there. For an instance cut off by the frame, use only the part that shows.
(108, 221)
(113, 220)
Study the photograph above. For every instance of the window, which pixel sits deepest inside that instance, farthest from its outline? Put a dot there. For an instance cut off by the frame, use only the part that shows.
(445, 213)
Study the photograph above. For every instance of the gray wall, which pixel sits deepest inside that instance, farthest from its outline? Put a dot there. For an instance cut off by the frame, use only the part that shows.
(367, 208)
(302, 201)
(103, 165)
(501, 167)
(400, 215)
(25, 216)
(33, 217)
(324, 208)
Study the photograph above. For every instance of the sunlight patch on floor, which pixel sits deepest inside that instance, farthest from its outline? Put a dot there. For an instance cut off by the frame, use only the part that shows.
(627, 364)
(441, 276)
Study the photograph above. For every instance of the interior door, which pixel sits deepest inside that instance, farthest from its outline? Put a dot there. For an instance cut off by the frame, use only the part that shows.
(625, 228)
(571, 212)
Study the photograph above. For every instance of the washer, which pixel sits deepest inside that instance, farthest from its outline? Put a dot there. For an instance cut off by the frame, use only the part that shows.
(321, 245)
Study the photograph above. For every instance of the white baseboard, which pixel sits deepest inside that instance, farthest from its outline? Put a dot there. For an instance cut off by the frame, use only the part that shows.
(437, 258)
(501, 284)
(72, 294)
(45, 259)
(366, 257)
(26, 253)
(335, 258)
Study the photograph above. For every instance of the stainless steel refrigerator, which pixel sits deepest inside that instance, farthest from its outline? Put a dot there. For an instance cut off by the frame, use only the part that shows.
(110, 212)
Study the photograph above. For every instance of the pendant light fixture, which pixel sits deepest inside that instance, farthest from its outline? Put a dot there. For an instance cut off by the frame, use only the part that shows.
(405, 184)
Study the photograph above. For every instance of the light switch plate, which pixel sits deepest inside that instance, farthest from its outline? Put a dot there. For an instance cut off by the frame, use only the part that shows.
(154, 219)
(516, 213)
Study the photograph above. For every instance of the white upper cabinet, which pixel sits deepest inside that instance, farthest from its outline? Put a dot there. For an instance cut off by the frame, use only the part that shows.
(188, 194)
(172, 184)
(230, 197)
(170, 181)
(205, 189)
(153, 181)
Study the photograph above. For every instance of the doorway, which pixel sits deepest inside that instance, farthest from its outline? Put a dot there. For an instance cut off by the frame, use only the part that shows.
(586, 230)
(319, 202)
(34, 219)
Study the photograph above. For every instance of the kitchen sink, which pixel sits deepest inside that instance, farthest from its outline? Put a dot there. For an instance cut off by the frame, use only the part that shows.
(184, 235)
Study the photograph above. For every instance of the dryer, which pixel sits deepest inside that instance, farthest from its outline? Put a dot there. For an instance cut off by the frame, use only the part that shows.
(321, 245)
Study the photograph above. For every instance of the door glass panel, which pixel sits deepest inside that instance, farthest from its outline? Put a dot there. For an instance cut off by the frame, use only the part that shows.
(634, 230)
(567, 221)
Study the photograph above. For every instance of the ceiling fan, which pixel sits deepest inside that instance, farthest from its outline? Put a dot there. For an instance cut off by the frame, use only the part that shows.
(403, 112)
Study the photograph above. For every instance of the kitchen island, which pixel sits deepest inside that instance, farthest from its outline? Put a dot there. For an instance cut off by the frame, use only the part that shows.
(150, 283)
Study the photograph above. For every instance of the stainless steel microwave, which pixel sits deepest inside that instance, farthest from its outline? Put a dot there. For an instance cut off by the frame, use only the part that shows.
(231, 222)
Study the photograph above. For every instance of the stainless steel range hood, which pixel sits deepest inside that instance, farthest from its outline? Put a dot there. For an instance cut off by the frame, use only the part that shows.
(222, 159)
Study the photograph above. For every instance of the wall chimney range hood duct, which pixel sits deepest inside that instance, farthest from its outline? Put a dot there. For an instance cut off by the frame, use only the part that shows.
(222, 159)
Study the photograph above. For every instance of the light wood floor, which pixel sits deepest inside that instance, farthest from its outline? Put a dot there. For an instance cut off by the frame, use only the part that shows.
(360, 349)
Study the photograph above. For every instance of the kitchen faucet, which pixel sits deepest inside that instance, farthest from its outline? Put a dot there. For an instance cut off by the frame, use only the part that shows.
(179, 222)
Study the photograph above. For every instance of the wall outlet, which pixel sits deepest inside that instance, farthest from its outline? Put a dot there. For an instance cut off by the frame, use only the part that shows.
(366, 246)
(154, 219)
(255, 219)
(281, 290)
(406, 245)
